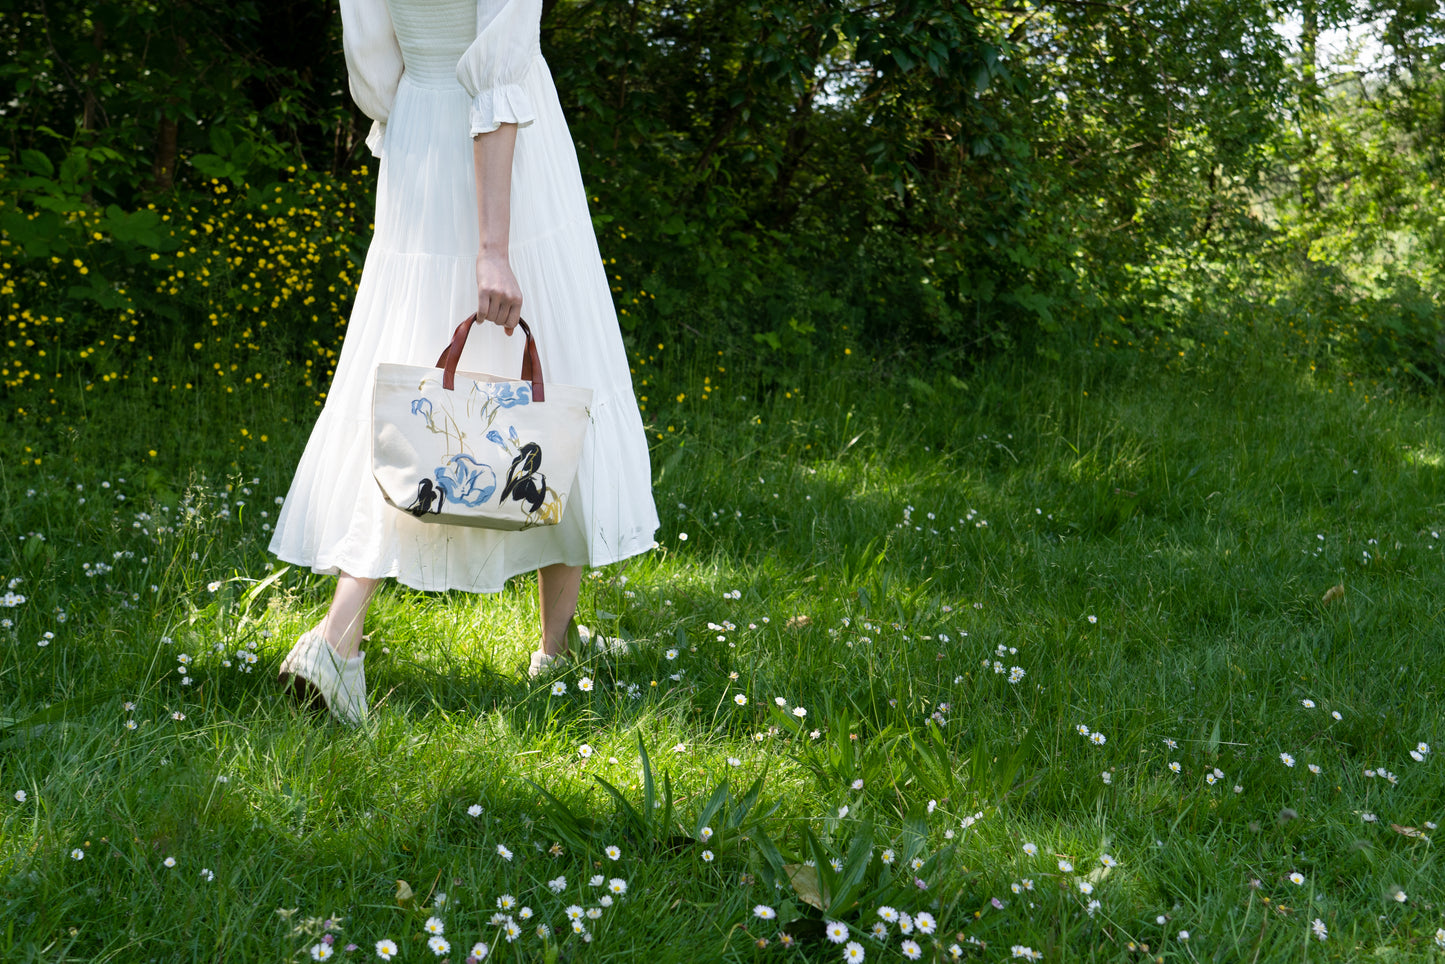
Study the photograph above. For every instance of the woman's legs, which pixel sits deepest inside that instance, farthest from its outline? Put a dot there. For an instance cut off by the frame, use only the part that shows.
(343, 622)
(557, 588)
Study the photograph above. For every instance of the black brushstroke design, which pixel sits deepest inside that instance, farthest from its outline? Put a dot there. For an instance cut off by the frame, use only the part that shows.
(427, 496)
(524, 482)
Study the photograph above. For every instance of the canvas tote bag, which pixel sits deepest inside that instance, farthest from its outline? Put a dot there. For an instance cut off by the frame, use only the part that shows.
(472, 449)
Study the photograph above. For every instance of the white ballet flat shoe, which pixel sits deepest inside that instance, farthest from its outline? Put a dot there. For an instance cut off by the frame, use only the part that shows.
(341, 683)
(542, 662)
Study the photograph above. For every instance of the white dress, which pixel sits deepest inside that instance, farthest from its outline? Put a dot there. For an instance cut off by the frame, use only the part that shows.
(432, 73)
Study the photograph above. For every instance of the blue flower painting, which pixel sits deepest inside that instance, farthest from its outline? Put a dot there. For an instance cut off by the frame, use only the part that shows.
(509, 396)
(494, 436)
(467, 481)
(422, 407)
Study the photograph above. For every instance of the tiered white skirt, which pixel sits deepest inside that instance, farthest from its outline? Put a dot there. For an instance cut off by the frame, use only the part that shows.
(419, 281)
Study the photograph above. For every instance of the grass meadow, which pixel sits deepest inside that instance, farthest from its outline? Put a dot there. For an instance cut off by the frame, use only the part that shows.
(1080, 662)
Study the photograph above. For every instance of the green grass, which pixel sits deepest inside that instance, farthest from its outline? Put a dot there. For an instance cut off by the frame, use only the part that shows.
(1150, 550)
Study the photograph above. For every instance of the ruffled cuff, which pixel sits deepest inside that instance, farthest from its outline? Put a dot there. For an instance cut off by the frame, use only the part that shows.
(376, 136)
(508, 104)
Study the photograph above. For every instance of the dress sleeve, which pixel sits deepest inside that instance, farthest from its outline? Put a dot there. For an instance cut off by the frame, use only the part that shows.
(373, 62)
(491, 70)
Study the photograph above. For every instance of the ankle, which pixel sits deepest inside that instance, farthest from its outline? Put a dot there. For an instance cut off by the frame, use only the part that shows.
(348, 647)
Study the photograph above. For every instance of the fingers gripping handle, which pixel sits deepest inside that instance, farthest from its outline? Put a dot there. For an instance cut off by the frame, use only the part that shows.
(531, 363)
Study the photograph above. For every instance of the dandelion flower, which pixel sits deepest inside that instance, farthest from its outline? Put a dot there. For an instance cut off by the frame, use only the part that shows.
(612, 853)
(434, 925)
(764, 912)
(439, 946)
(386, 949)
(911, 950)
(1296, 878)
(1286, 759)
(836, 931)
(853, 952)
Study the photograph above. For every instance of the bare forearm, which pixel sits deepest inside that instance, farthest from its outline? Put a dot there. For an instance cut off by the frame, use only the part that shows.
(499, 297)
(492, 160)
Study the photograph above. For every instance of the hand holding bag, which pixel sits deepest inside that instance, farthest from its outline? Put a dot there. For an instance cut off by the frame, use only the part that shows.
(472, 449)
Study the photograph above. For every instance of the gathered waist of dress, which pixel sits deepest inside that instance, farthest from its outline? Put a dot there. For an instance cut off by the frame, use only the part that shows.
(445, 80)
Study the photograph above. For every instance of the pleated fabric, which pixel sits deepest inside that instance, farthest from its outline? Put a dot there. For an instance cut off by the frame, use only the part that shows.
(419, 280)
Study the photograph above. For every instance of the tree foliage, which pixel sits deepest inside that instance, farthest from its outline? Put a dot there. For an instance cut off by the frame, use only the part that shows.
(914, 174)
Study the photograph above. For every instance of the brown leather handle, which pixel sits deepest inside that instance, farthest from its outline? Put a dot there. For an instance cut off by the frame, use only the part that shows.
(531, 363)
